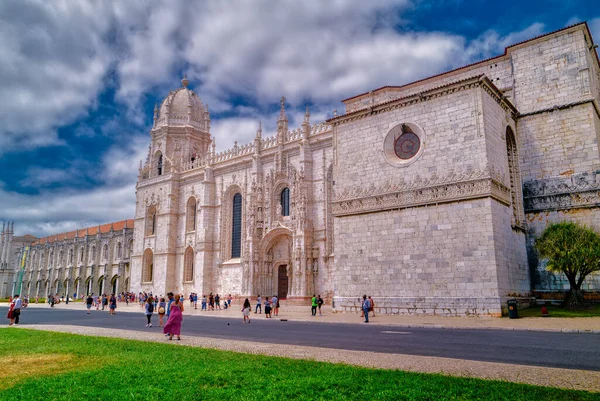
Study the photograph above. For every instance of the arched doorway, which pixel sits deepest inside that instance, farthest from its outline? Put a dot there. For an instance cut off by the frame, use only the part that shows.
(114, 284)
(282, 282)
(274, 275)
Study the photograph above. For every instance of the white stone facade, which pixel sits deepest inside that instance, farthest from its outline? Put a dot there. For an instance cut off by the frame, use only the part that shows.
(497, 149)
(91, 260)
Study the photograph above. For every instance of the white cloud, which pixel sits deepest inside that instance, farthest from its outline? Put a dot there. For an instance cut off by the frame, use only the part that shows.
(491, 43)
(54, 60)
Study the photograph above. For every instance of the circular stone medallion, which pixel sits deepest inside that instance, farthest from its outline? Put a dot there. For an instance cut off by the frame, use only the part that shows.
(407, 145)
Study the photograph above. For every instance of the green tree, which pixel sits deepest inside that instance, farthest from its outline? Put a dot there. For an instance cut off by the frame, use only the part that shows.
(571, 249)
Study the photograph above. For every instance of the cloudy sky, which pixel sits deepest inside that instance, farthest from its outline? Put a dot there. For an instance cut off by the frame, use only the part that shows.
(79, 79)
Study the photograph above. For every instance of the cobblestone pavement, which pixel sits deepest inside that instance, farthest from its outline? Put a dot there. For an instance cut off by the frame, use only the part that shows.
(302, 313)
(551, 377)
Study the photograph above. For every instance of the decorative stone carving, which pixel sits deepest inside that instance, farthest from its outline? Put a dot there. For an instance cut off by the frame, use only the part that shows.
(561, 193)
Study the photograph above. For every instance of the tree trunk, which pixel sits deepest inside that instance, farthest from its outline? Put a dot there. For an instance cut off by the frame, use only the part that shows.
(574, 298)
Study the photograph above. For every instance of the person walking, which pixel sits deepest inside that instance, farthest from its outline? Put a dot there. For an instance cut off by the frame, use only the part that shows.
(320, 303)
(149, 311)
(229, 301)
(11, 312)
(162, 309)
(313, 304)
(365, 307)
(218, 301)
(258, 304)
(275, 305)
(18, 302)
(246, 310)
(88, 303)
(371, 306)
(104, 301)
(173, 326)
(203, 303)
(112, 304)
(267, 308)
(195, 301)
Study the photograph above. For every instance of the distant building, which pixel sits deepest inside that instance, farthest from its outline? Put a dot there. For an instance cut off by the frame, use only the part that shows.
(90, 260)
(10, 257)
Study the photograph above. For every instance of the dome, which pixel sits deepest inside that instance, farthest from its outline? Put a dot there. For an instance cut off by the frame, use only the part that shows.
(181, 107)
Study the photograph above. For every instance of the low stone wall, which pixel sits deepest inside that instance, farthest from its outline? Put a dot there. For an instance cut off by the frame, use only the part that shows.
(445, 306)
(560, 295)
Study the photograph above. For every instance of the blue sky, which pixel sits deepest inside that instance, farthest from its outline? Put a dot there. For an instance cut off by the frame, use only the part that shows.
(80, 79)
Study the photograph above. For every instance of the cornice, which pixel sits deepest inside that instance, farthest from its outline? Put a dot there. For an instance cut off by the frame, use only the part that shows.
(478, 81)
(562, 193)
(446, 193)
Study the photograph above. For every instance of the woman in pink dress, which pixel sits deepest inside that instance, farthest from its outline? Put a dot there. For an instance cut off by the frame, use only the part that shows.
(173, 326)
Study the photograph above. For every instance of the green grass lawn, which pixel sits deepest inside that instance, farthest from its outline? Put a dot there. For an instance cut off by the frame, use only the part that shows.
(559, 311)
(53, 366)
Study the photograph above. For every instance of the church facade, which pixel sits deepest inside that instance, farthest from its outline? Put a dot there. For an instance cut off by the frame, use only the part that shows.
(426, 196)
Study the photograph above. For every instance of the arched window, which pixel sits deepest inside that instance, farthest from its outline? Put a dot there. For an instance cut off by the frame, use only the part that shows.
(285, 202)
(236, 227)
(71, 256)
(130, 247)
(190, 223)
(151, 221)
(119, 250)
(159, 163)
(81, 255)
(515, 182)
(148, 266)
(105, 252)
(188, 264)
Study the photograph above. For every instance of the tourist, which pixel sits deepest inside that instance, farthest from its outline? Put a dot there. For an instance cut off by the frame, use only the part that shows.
(88, 303)
(267, 308)
(11, 312)
(155, 300)
(229, 301)
(149, 311)
(195, 301)
(104, 301)
(320, 303)
(112, 304)
(173, 326)
(162, 309)
(203, 302)
(211, 302)
(258, 304)
(275, 305)
(67, 301)
(191, 299)
(371, 306)
(246, 310)
(366, 305)
(218, 301)
(17, 309)
(171, 300)
(313, 305)
(95, 300)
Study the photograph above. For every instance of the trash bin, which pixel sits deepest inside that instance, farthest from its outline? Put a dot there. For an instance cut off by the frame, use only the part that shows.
(513, 312)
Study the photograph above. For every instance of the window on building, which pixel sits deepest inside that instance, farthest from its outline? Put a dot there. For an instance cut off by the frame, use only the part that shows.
(285, 202)
(130, 247)
(148, 266)
(159, 163)
(190, 224)
(513, 169)
(188, 264)
(119, 250)
(71, 257)
(236, 227)
(105, 252)
(93, 254)
(81, 255)
(151, 221)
